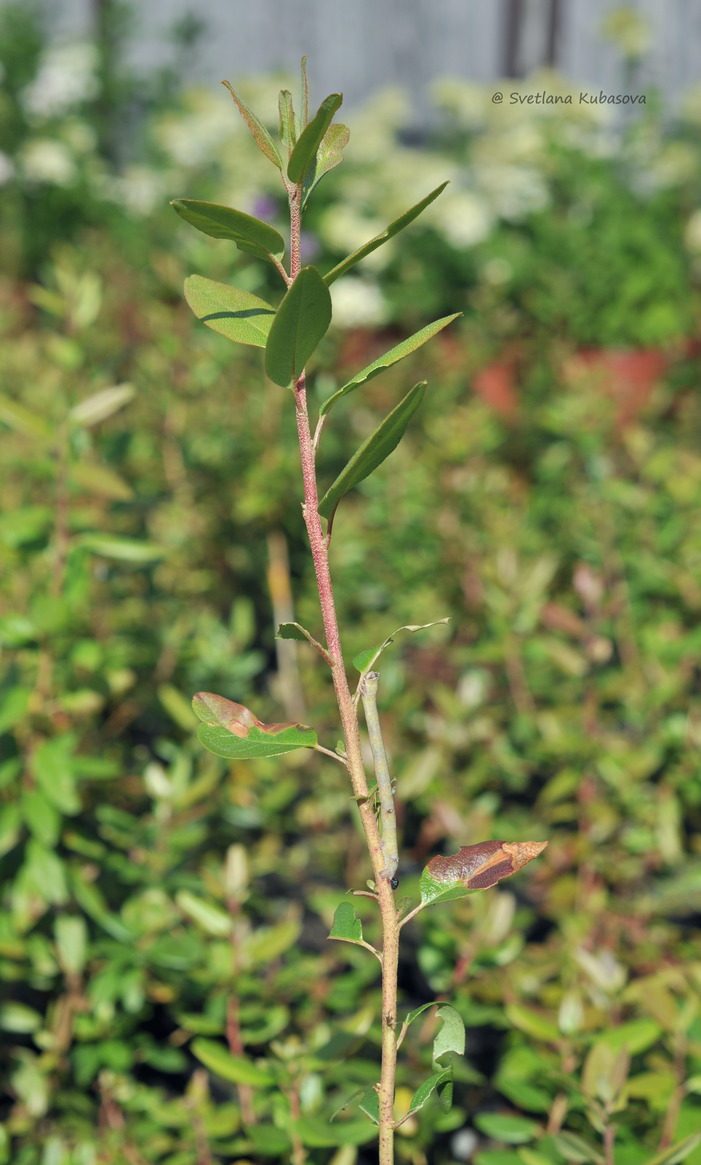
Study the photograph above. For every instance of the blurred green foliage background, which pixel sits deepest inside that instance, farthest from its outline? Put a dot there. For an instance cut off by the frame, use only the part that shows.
(548, 502)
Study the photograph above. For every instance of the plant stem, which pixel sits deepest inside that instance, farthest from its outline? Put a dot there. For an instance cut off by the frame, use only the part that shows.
(319, 545)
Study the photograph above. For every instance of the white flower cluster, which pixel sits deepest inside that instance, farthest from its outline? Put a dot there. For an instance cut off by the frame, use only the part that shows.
(67, 77)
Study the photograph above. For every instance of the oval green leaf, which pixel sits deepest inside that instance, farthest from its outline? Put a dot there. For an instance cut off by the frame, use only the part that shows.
(392, 357)
(303, 155)
(389, 232)
(256, 744)
(223, 222)
(235, 1069)
(236, 314)
(451, 1036)
(374, 450)
(345, 924)
(301, 321)
(507, 1127)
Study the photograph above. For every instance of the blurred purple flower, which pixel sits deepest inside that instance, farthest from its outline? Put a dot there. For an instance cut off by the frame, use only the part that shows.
(310, 246)
(265, 207)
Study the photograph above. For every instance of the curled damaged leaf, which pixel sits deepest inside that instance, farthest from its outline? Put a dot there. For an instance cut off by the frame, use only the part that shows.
(475, 867)
(231, 730)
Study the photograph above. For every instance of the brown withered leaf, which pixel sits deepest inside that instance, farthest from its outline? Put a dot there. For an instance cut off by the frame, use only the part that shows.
(236, 718)
(477, 867)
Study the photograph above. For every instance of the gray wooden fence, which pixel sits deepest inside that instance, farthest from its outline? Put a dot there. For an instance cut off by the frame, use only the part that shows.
(360, 46)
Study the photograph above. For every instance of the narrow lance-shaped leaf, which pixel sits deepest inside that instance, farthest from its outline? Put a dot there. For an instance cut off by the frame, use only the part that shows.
(389, 232)
(411, 344)
(301, 635)
(236, 314)
(364, 660)
(232, 731)
(223, 222)
(302, 319)
(288, 126)
(304, 153)
(475, 867)
(236, 1069)
(329, 155)
(24, 420)
(305, 90)
(374, 450)
(676, 1153)
(101, 405)
(262, 138)
(122, 549)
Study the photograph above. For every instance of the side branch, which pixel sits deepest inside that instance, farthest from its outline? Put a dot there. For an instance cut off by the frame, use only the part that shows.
(390, 853)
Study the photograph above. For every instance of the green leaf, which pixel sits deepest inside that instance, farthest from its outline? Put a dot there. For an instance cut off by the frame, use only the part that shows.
(507, 1127)
(298, 632)
(364, 660)
(19, 1018)
(345, 924)
(301, 321)
(304, 154)
(305, 89)
(257, 744)
(232, 731)
(223, 222)
(411, 344)
(288, 121)
(374, 450)
(101, 405)
(100, 480)
(235, 1069)
(441, 1082)
(25, 525)
(316, 1133)
(52, 766)
(451, 1037)
(533, 1023)
(329, 155)
(236, 314)
(270, 942)
(211, 918)
(474, 868)
(420, 1010)
(369, 1103)
(677, 1152)
(13, 706)
(388, 233)
(574, 1148)
(262, 138)
(637, 1036)
(269, 1141)
(23, 420)
(123, 549)
(41, 816)
(71, 936)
